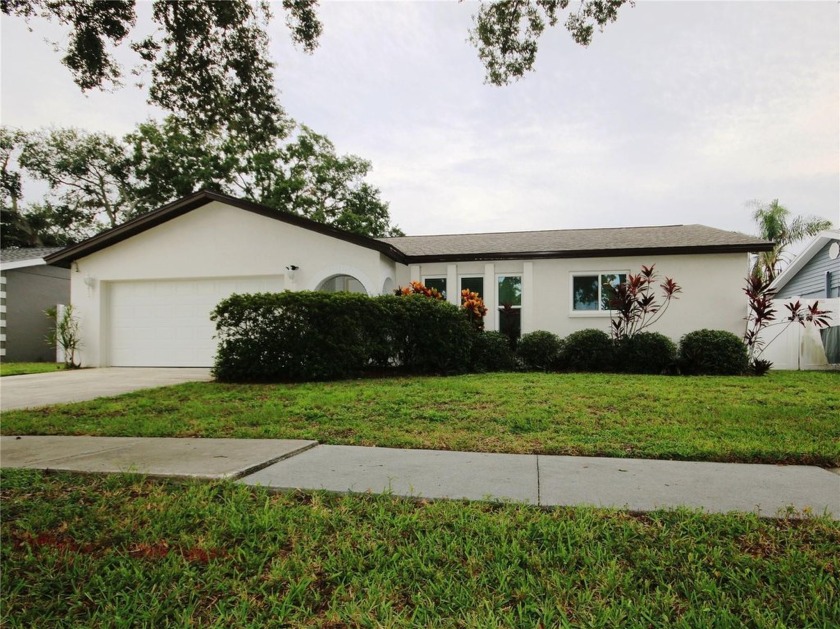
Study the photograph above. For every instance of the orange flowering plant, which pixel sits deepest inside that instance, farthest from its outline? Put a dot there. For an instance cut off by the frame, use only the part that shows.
(416, 288)
(474, 307)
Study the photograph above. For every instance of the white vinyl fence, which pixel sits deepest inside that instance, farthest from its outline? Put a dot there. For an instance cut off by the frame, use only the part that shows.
(799, 347)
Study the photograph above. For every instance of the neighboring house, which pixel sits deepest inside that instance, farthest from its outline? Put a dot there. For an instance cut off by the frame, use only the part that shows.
(143, 291)
(813, 276)
(28, 287)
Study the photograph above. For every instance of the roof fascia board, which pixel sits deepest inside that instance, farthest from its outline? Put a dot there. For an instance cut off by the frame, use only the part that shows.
(21, 264)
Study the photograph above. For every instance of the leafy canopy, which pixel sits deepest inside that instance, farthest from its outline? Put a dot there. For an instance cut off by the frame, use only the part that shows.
(775, 222)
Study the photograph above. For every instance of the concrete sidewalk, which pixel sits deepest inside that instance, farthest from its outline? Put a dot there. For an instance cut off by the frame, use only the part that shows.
(635, 484)
(178, 458)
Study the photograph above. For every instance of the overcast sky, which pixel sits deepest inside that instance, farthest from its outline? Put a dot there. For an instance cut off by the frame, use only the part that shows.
(680, 112)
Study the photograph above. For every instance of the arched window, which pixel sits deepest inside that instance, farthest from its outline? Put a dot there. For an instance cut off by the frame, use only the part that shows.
(342, 284)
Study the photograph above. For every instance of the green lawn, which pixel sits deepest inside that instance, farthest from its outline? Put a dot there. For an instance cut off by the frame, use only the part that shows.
(103, 551)
(785, 417)
(19, 369)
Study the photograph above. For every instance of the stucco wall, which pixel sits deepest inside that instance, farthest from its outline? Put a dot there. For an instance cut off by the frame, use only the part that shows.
(29, 292)
(215, 241)
(712, 294)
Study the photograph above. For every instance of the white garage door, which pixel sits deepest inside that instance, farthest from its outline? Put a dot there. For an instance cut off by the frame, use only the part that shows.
(166, 323)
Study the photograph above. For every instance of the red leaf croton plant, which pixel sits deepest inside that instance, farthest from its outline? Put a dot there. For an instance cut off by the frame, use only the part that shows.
(633, 304)
(471, 304)
(762, 315)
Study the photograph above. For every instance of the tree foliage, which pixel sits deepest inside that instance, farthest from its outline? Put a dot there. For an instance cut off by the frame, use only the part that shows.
(506, 33)
(774, 222)
(208, 61)
(96, 181)
(203, 54)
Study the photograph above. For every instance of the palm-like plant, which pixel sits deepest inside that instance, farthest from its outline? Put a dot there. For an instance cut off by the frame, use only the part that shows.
(775, 223)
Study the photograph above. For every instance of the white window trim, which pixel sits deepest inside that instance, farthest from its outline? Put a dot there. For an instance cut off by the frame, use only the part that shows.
(589, 314)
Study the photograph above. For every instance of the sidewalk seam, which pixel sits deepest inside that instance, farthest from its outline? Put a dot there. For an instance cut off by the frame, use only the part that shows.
(539, 497)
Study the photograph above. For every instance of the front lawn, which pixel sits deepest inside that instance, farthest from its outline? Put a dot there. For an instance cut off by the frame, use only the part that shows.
(103, 551)
(19, 369)
(785, 417)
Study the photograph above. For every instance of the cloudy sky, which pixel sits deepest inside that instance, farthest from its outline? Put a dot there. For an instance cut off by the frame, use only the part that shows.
(680, 112)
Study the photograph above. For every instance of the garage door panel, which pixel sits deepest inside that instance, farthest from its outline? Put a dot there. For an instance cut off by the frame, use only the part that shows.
(166, 323)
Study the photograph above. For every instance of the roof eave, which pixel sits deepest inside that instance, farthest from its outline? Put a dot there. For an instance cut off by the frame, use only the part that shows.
(193, 201)
(590, 253)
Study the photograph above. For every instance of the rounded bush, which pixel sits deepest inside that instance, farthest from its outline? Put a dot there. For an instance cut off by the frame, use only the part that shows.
(491, 352)
(540, 350)
(713, 352)
(646, 352)
(588, 350)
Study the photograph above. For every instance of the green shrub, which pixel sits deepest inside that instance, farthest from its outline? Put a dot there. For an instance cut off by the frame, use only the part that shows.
(713, 352)
(425, 335)
(292, 336)
(491, 352)
(304, 335)
(646, 352)
(588, 350)
(540, 350)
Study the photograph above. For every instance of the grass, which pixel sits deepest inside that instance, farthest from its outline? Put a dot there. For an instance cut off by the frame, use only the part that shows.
(785, 417)
(19, 369)
(99, 551)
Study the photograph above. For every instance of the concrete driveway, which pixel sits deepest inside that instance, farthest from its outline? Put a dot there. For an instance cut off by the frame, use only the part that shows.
(59, 387)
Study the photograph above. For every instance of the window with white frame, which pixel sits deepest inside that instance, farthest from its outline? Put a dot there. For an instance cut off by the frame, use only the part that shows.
(591, 291)
(509, 298)
(438, 283)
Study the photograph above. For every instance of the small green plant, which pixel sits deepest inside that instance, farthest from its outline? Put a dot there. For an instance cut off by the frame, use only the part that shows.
(65, 334)
(540, 350)
(713, 353)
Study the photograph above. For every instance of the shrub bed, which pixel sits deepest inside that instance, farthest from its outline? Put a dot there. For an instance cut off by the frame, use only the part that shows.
(646, 352)
(491, 352)
(305, 335)
(540, 350)
(588, 350)
(713, 352)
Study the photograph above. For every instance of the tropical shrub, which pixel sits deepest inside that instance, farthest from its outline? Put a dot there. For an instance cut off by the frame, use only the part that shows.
(540, 350)
(713, 352)
(761, 315)
(633, 303)
(418, 288)
(646, 352)
(65, 334)
(491, 352)
(588, 350)
(473, 307)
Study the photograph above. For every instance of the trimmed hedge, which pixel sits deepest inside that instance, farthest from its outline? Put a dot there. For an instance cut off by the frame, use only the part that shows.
(713, 352)
(540, 350)
(491, 352)
(269, 337)
(646, 352)
(588, 350)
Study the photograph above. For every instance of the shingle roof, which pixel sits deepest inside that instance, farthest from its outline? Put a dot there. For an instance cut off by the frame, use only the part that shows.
(577, 242)
(19, 254)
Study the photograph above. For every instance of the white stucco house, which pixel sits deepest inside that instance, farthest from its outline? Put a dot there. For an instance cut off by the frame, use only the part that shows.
(143, 291)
